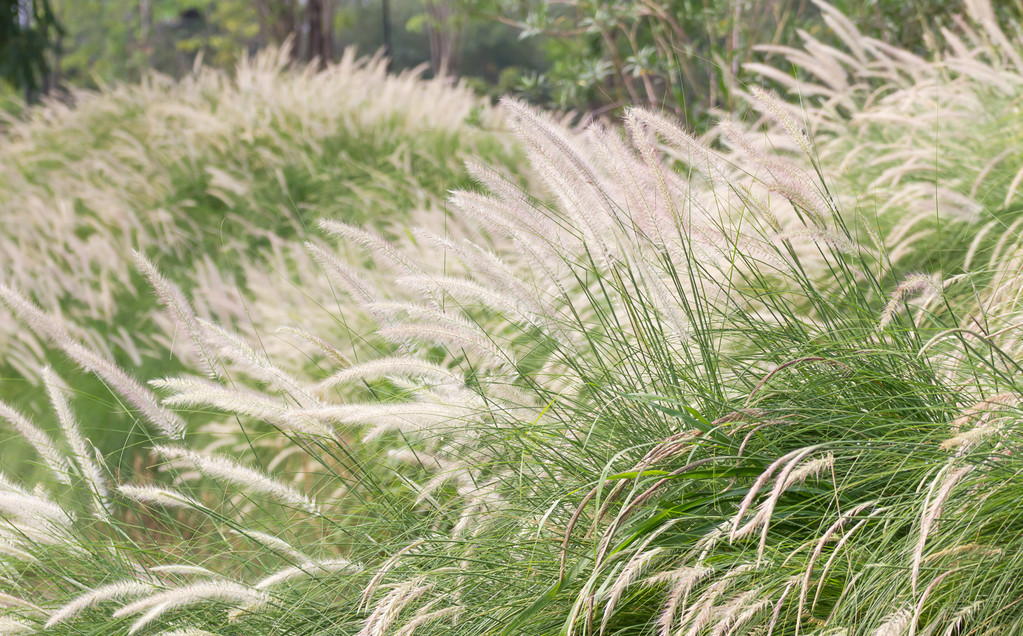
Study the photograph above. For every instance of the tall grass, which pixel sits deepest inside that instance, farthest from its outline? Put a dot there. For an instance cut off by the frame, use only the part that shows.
(928, 149)
(218, 178)
(674, 389)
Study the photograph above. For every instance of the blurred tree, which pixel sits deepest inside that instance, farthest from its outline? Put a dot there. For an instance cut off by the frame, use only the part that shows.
(121, 39)
(445, 25)
(319, 20)
(387, 46)
(590, 55)
(309, 24)
(687, 56)
(683, 55)
(474, 45)
(914, 24)
(29, 35)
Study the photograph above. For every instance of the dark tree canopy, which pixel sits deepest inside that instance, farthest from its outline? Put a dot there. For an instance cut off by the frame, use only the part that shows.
(28, 32)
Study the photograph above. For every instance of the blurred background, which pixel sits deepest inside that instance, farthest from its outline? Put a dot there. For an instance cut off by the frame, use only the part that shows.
(591, 56)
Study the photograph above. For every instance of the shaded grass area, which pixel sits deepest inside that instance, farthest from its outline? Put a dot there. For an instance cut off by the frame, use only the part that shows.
(220, 169)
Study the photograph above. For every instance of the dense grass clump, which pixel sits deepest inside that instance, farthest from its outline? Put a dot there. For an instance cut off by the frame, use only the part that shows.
(679, 387)
(219, 178)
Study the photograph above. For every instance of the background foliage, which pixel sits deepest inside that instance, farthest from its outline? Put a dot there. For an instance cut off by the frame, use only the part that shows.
(29, 33)
(594, 56)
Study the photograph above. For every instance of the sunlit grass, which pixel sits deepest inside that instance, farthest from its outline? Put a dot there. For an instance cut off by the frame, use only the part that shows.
(668, 389)
(218, 178)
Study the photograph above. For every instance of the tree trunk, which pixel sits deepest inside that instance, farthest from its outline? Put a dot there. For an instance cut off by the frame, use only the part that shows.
(327, 54)
(318, 19)
(385, 11)
(445, 38)
(145, 20)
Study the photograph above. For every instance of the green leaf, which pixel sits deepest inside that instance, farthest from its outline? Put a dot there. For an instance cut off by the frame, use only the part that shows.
(684, 412)
(417, 23)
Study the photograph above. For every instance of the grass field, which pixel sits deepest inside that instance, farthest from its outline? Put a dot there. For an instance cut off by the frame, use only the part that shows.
(623, 380)
(218, 179)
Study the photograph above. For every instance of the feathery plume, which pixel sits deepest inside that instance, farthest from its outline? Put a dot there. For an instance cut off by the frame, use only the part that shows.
(465, 290)
(13, 625)
(776, 613)
(217, 590)
(319, 342)
(519, 221)
(456, 334)
(683, 581)
(483, 263)
(9, 600)
(895, 624)
(115, 377)
(149, 494)
(825, 538)
(407, 416)
(789, 477)
(199, 392)
(912, 284)
(34, 508)
(257, 364)
(694, 151)
(779, 112)
(735, 613)
(90, 470)
(180, 310)
(343, 275)
(757, 485)
(955, 626)
(837, 241)
(373, 242)
(405, 367)
(9, 549)
(111, 591)
(184, 570)
(40, 441)
(700, 614)
(984, 417)
(382, 571)
(379, 622)
(307, 569)
(932, 510)
(627, 577)
(273, 543)
(249, 480)
(423, 618)
(561, 162)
